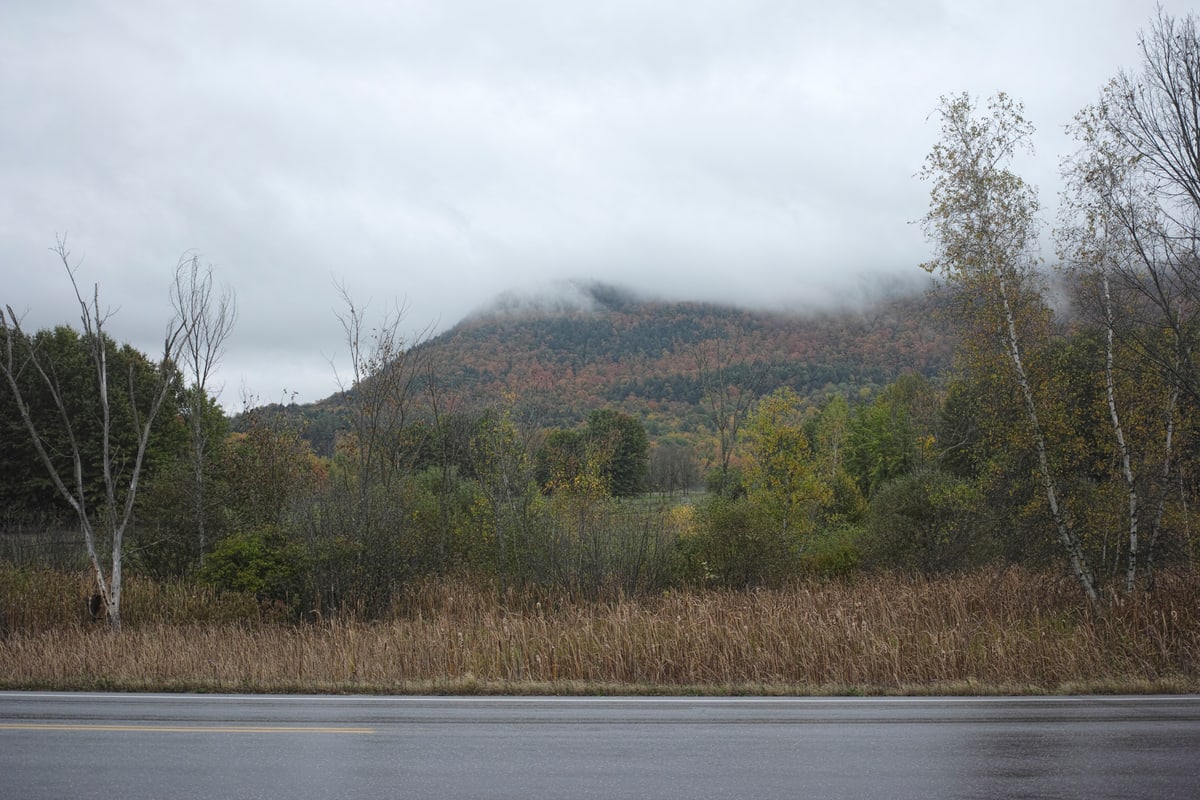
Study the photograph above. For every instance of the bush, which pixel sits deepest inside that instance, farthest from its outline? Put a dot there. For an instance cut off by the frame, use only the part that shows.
(736, 545)
(925, 522)
(598, 547)
(833, 554)
(261, 562)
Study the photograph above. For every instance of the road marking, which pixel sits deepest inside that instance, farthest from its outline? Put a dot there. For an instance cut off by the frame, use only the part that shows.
(51, 726)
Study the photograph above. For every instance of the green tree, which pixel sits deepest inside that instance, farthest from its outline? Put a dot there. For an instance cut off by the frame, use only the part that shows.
(502, 458)
(270, 470)
(613, 443)
(892, 435)
(924, 521)
(165, 541)
(831, 438)
(625, 437)
(64, 350)
(781, 477)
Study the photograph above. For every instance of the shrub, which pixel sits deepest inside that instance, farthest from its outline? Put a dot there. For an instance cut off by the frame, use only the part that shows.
(833, 554)
(262, 562)
(736, 545)
(925, 522)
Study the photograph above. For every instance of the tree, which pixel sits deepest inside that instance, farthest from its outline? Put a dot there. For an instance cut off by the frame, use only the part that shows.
(612, 443)
(672, 466)
(379, 454)
(207, 321)
(561, 458)
(120, 472)
(891, 435)
(1149, 128)
(625, 438)
(781, 475)
(502, 461)
(382, 392)
(923, 521)
(983, 225)
(730, 381)
(1130, 238)
(831, 436)
(270, 469)
(757, 538)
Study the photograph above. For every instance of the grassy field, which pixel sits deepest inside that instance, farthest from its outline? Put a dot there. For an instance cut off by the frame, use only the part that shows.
(1006, 632)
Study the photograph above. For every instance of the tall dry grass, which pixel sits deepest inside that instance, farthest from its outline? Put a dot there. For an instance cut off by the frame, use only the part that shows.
(1008, 632)
(43, 599)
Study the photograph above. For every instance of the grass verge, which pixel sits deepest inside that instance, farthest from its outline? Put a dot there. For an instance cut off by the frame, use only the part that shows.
(1007, 632)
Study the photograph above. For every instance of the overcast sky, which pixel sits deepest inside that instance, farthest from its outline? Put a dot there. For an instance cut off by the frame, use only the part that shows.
(439, 152)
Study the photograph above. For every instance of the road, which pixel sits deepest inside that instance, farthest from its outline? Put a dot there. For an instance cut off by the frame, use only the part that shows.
(252, 746)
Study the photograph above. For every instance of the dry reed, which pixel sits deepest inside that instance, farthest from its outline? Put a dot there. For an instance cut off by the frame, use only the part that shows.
(983, 632)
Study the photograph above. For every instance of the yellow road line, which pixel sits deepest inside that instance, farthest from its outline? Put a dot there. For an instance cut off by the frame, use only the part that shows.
(52, 726)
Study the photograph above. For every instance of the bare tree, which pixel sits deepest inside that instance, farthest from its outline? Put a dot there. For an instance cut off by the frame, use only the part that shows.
(731, 379)
(382, 394)
(1146, 130)
(1132, 233)
(672, 467)
(208, 320)
(382, 391)
(119, 479)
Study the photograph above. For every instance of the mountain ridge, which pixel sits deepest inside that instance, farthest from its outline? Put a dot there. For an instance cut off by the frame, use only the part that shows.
(604, 346)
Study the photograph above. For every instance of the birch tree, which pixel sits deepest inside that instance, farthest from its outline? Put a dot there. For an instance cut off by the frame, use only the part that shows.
(1132, 231)
(982, 221)
(120, 472)
(1103, 245)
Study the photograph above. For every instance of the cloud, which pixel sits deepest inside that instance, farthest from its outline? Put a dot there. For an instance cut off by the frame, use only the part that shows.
(441, 153)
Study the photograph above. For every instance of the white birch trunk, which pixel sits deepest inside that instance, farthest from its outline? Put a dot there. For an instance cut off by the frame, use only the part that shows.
(1119, 434)
(1079, 565)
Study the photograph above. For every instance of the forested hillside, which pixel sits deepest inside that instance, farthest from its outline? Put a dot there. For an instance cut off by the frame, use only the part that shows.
(609, 348)
(641, 355)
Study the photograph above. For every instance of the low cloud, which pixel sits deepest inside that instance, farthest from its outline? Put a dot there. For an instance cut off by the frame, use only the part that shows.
(439, 154)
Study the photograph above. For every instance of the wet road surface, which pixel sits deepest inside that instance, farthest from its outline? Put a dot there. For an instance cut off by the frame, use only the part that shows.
(133, 746)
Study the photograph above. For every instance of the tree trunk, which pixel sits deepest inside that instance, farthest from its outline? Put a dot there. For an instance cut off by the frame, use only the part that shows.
(1079, 566)
(1119, 434)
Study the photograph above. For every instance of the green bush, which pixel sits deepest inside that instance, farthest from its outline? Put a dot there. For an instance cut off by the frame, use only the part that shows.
(835, 553)
(736, 545)
(925, 522)
(262, 562)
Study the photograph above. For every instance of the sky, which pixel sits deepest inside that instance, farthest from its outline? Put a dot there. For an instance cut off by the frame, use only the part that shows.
(431, 155)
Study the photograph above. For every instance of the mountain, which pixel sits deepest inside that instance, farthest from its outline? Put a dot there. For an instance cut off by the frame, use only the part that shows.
(562, 357)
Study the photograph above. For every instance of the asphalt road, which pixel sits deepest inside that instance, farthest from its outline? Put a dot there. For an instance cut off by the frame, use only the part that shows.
(252, 746)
